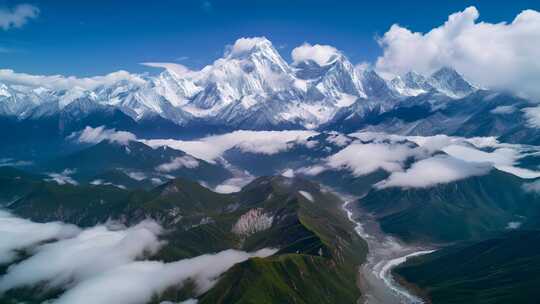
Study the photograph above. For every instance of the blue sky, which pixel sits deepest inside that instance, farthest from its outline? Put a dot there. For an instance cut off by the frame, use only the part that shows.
(97, 37)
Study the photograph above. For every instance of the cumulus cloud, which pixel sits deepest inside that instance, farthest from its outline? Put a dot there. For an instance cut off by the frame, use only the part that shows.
(18, 16)
(472, 48)
(363, 159)
(18, 234)
(95, 135)
(260, 142)
(435, 170)
(177, 163)
(177, 69)
(86, 255)
(320, 54)
(59, 82)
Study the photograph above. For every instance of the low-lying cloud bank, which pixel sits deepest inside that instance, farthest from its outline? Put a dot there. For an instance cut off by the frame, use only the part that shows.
(18, 234)
(137, 282)
(424, 161)
(90, 253)
(212, 147)
(103, 264)
(439, 169)
(363, 159)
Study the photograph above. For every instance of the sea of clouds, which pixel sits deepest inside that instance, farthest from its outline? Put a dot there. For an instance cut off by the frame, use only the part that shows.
(103, 264)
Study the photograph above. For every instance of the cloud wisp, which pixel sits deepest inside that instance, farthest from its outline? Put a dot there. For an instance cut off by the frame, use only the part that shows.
(90, 135)
(59, 82)
(17, 16)
(178, 163)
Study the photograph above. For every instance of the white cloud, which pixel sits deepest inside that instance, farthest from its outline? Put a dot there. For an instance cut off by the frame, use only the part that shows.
(288, 173)
(435, 170)
(90, 253)
(503, 159)
(503, 110)
(532, 115)
(261, 142)
(243, 45)
(177, 69)
(59, 82)
(312, 170)
(363, 159)
(136, 175)
(4, 162)
(307, 195)
(18, 233)
(320, 54)
(472, 48)
(18, 16)
(532, 186)
(100, 264)
(63, 177)
(95, 135)
(234, 184)
(179, 162)
(137, 282)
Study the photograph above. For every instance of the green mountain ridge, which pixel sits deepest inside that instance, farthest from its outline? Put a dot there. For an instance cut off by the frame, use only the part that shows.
(317, 244)
(502, 269)
(471, 208)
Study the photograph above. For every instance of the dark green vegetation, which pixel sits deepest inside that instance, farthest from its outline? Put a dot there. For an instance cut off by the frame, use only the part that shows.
(97, 162)
(472, 208)
(503, 269)
(318, 256)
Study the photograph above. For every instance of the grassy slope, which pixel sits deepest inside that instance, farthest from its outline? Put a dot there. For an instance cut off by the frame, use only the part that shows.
(499, 270)
(319, 250)
(323, 271)
(466, 209)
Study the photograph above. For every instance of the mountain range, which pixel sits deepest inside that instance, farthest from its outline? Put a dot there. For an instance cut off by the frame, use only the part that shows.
(252, 88)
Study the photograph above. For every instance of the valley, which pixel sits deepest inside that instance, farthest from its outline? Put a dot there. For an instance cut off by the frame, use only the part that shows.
(264, 171)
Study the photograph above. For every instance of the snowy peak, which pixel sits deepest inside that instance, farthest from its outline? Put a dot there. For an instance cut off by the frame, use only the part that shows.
(445, 80)
(332, 80)
(451, 83)
(251, 68)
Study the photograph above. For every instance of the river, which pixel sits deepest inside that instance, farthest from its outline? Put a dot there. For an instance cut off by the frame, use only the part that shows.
(385, 253)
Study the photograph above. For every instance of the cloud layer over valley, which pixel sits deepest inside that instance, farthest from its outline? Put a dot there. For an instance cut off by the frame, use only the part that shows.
(103, 264)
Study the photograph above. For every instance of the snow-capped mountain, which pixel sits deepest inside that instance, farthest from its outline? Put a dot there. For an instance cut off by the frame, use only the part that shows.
(251, 86)
(445, 80)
